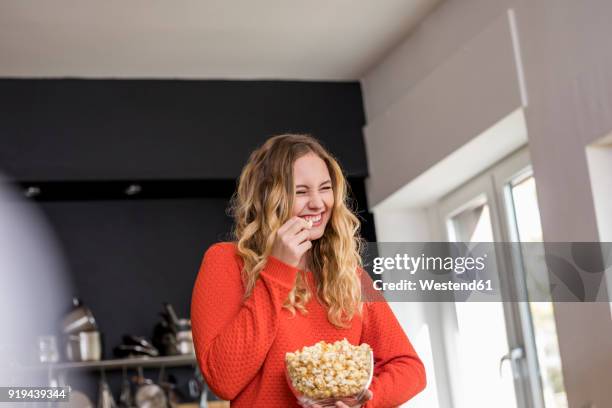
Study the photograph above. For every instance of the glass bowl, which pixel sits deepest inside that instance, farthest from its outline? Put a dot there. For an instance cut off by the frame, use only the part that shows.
(307, 401)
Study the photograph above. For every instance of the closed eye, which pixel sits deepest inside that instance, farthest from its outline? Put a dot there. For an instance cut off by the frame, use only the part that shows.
(322, 188)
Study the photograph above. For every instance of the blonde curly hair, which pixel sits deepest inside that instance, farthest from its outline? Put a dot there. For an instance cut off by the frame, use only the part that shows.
(262, 203)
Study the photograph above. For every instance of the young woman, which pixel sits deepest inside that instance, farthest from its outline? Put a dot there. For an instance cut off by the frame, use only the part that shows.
(291, 278)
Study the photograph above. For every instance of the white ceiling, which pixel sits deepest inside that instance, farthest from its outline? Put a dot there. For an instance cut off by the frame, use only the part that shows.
(201, 39)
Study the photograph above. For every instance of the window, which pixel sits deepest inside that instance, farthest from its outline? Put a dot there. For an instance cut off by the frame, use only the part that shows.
(526, 228)
(501, 205)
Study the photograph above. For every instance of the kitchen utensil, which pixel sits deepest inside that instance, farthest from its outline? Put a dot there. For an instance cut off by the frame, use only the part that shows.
(148, 394)
(172, 336)
(105, 396)
(135, 346)
(47, 349)
(151, 395)
(84, 346)
(184, 341)
(204, 399)
(126, 399)
(165, 339)
(78, 400)
(194, 388)
(183, 325)
(124, 350)
(169, 384)
(137, 340)
(79, 319)
(201, 386)
(172, 314)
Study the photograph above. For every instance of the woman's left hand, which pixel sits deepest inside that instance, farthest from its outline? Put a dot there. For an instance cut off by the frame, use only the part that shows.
(339, 404)
(366, 397)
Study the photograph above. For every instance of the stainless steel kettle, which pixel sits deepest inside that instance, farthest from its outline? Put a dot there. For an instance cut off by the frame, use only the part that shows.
(79, 319)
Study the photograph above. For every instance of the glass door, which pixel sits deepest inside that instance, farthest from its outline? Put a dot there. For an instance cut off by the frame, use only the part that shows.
(481, 333)
(518, 363)
(517, 186)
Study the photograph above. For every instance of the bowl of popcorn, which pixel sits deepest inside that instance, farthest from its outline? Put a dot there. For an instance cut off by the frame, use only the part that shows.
(325, 373)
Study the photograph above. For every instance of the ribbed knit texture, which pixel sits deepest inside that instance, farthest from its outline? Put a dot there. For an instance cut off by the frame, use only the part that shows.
(241, 346)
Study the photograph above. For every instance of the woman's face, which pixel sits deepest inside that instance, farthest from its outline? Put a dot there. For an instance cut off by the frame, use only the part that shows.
(314, 196)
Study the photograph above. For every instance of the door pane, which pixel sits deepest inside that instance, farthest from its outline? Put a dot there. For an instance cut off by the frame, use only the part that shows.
(473, 224)
(482, 337)
(529, 229)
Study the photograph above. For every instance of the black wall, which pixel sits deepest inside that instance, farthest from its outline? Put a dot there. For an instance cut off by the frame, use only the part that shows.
(82, 142)
(145, 129)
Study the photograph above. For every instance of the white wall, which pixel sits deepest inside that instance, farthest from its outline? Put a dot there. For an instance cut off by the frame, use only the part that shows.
(422, 322)
(599, 158)
(456, 75)
(449, 105)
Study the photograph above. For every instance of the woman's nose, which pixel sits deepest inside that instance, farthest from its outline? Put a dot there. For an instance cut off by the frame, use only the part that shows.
(316, 201)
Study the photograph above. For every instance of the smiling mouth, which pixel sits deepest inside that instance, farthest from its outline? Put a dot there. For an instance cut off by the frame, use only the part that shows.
(314, 218)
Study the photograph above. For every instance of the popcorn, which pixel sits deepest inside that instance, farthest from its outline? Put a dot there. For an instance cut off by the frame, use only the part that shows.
(330, 370)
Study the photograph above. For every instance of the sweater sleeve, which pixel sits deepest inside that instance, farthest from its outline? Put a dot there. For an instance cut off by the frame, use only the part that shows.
(399, 374)
(232, 337)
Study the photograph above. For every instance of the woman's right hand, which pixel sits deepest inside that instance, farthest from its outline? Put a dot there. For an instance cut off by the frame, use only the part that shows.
(292, 241)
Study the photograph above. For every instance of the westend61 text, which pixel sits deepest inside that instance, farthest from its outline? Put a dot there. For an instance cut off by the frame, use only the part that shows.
(429, 285)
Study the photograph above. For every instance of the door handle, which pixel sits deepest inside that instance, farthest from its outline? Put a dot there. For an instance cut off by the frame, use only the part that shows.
(512, 356)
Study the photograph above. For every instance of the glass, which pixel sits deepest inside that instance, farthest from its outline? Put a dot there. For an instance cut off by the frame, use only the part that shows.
(481, 325)
(529, 229)
(473, 224)
(47, 349)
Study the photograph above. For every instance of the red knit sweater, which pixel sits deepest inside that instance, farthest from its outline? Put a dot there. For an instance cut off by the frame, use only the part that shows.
(241, 347)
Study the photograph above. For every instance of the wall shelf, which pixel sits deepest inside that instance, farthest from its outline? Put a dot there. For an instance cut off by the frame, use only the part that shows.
(115, 364)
